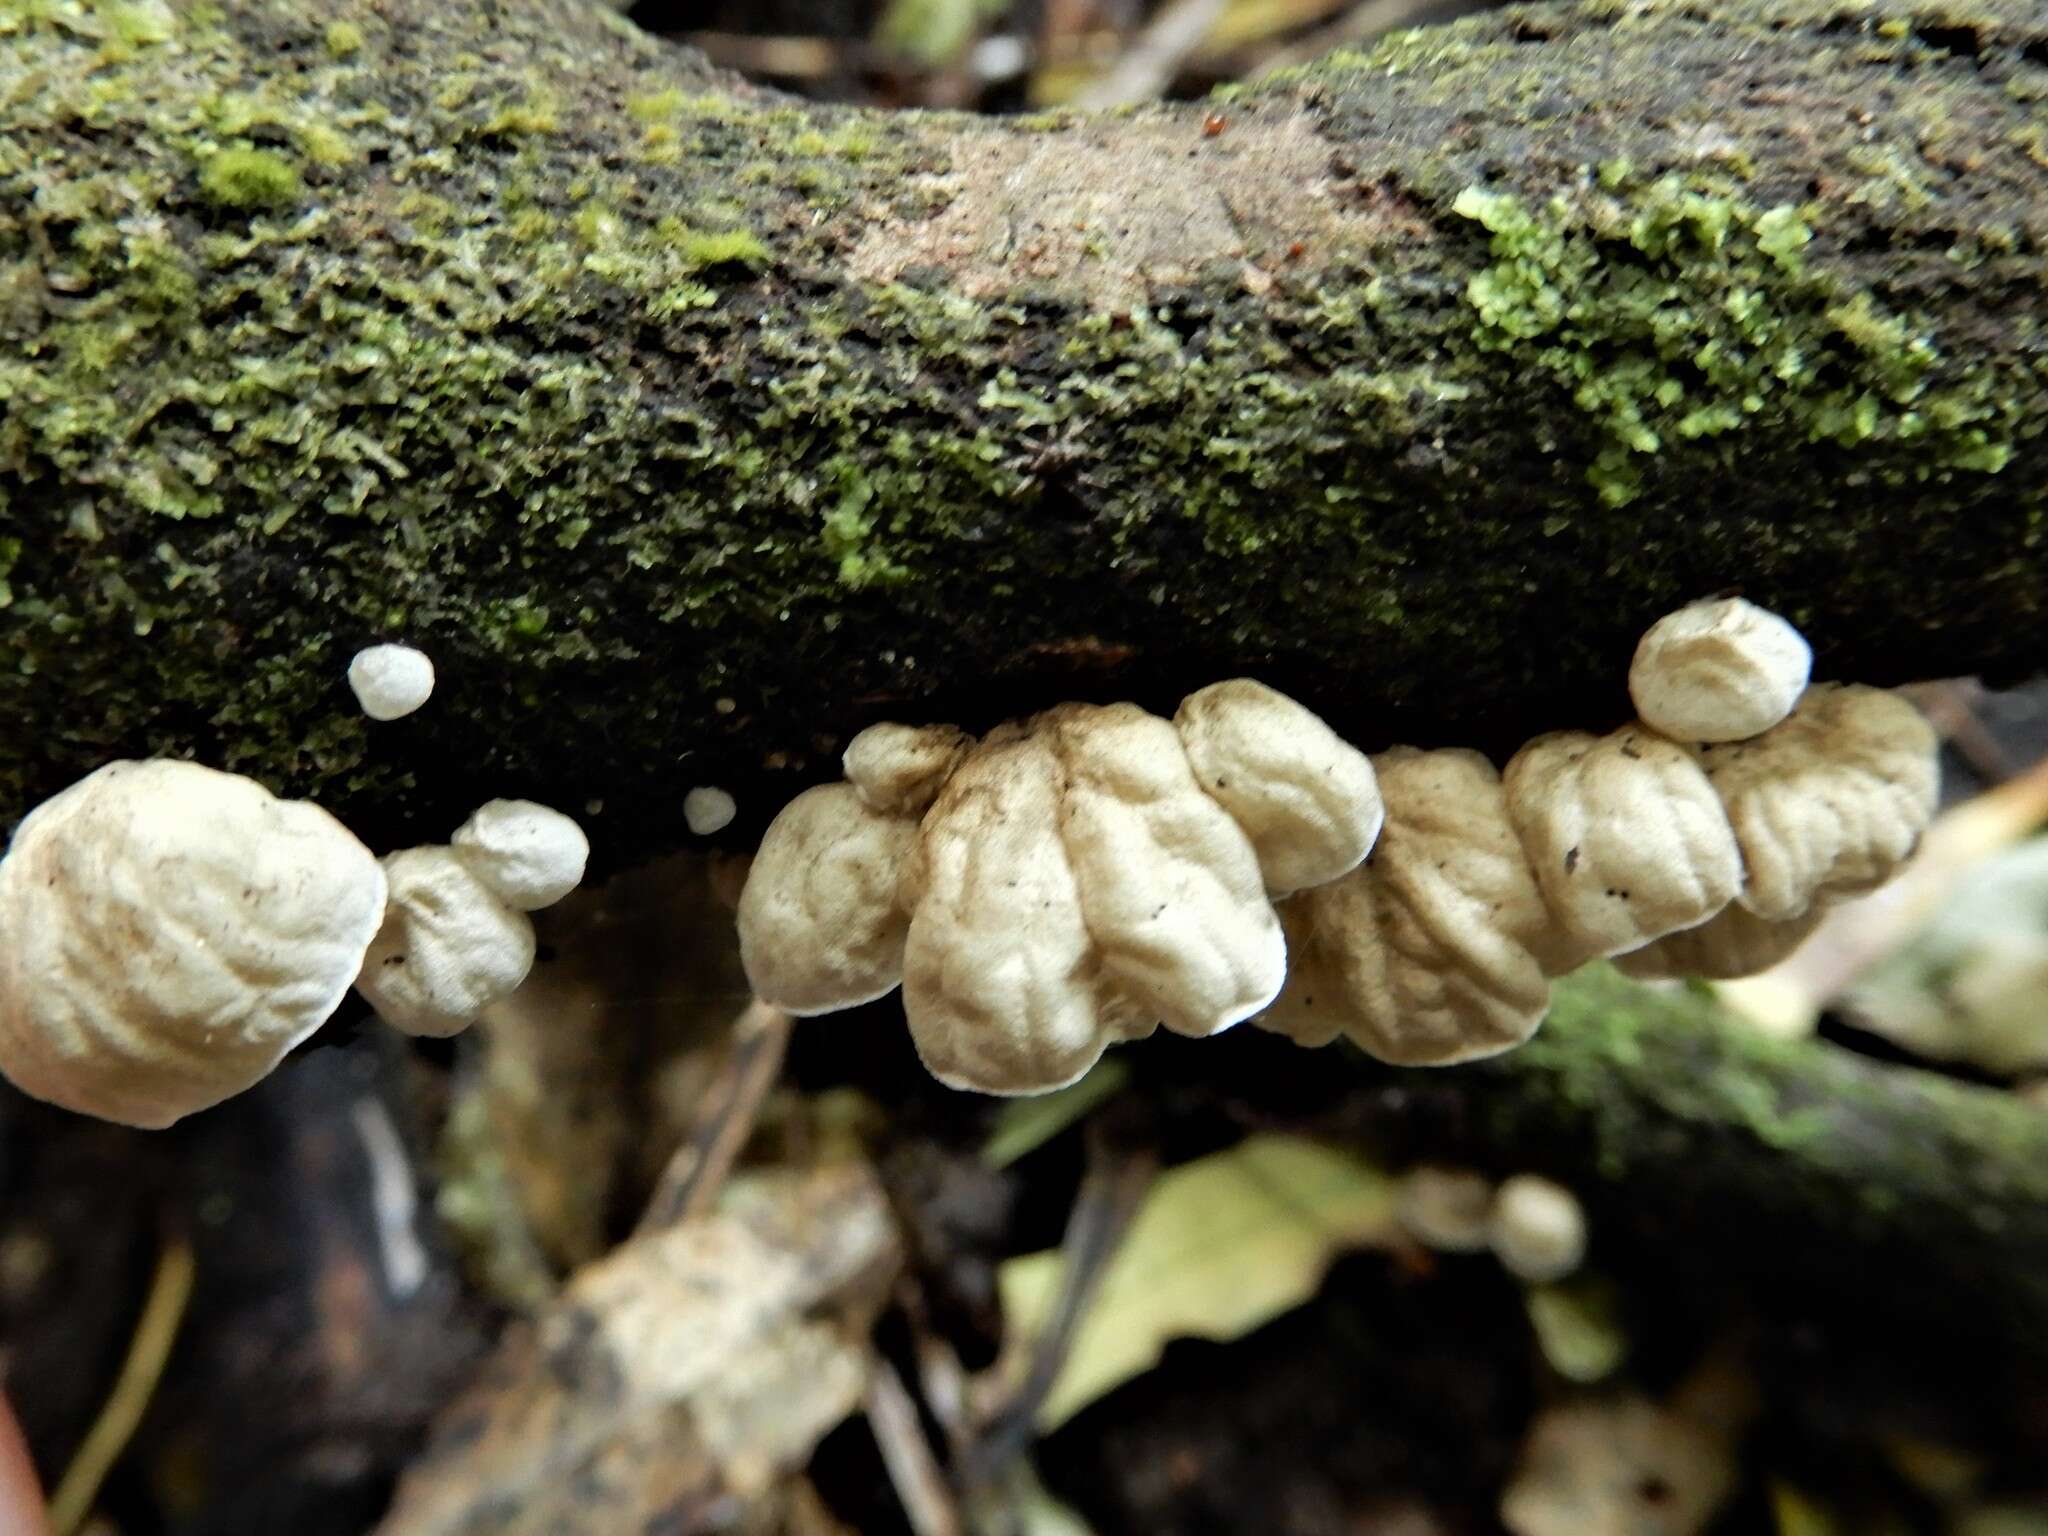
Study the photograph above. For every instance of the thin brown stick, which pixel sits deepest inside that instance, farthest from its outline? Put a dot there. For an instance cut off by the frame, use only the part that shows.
(1112, 1189)
(921, 1488)
(698, 1169)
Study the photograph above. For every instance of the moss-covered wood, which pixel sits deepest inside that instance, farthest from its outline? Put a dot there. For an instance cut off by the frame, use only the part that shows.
(690, 428)
(1883, 1195)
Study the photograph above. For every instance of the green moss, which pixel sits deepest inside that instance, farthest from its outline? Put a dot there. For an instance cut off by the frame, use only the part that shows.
(342, 38)
(249, 180)
(582, 406)
(700, 249)
(1647, 1075)
(1676, 311)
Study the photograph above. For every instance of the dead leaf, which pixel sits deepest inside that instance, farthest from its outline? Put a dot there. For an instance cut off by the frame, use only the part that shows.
(675, 1380)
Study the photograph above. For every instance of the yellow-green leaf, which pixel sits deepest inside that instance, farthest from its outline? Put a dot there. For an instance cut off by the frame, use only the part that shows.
(1220, 1246)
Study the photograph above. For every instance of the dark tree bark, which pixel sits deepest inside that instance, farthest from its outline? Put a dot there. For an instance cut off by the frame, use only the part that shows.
(690, 429)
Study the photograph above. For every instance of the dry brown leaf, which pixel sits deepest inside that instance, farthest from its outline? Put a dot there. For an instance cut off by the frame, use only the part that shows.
(675, 1382)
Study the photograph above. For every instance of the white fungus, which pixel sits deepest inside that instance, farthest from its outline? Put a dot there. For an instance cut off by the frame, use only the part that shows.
(171, 932)
(1721, 670)
(529, 856)
(707, 810)
(1305, 796)
(449, 946)
(1435, 950)
(1537, 1229)
(820, 928)
(1625, 835)
(1829, 801)
(390, 681)
(1445, 1208)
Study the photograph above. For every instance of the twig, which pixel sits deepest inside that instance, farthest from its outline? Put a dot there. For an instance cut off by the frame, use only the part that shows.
(170, 1288)
(1111, 1192)
(698, 1170)
(1149, 65)
(914, 1472)
(940, 1375)
(1360, 24)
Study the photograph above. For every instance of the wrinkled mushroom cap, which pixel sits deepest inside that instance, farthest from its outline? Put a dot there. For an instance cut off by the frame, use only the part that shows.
(820, 928)
(1722, 670)
(530, 856)
(1434, 948)
(1003, 986)
(170, 932)
(899, 768)
(1306, 797)
(1734, 942)
(1169, 883)
(1830, 801)
(1625, 834)
(449, 946)
(1537, 1229)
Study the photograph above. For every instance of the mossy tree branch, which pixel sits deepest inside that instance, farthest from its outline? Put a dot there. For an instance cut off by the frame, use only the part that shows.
(690, 428)
(1887, 1196)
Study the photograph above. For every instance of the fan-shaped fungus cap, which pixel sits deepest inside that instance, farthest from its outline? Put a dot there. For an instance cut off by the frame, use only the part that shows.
(449, 946)
(1734, 942)
(1831, 800)
(1537, 1229)
(390, 680)
(1306, 797)
(170, 932)
(1722, 670)
(1625, 834)
(530, 857)
(1434, 950)
(820, 928)
(900, 768)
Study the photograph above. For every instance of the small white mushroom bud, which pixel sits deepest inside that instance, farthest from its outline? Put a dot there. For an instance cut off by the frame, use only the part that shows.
(1305, 796)
(900, 768)
(449, 946)
(1002, 984)
(1625, 834)
(707, 810)
(1723, 670)
(1537, 1229)
(1830, 801)
(390, 680)
(170, 933)
(820, 928)
(529, 856)
(1447, 1209)
(1436, 948)
(1734, 942)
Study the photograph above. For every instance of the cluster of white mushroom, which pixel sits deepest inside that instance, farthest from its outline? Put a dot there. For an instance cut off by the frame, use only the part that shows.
(1536, 1228)
(168, 932)
(1080, 877)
